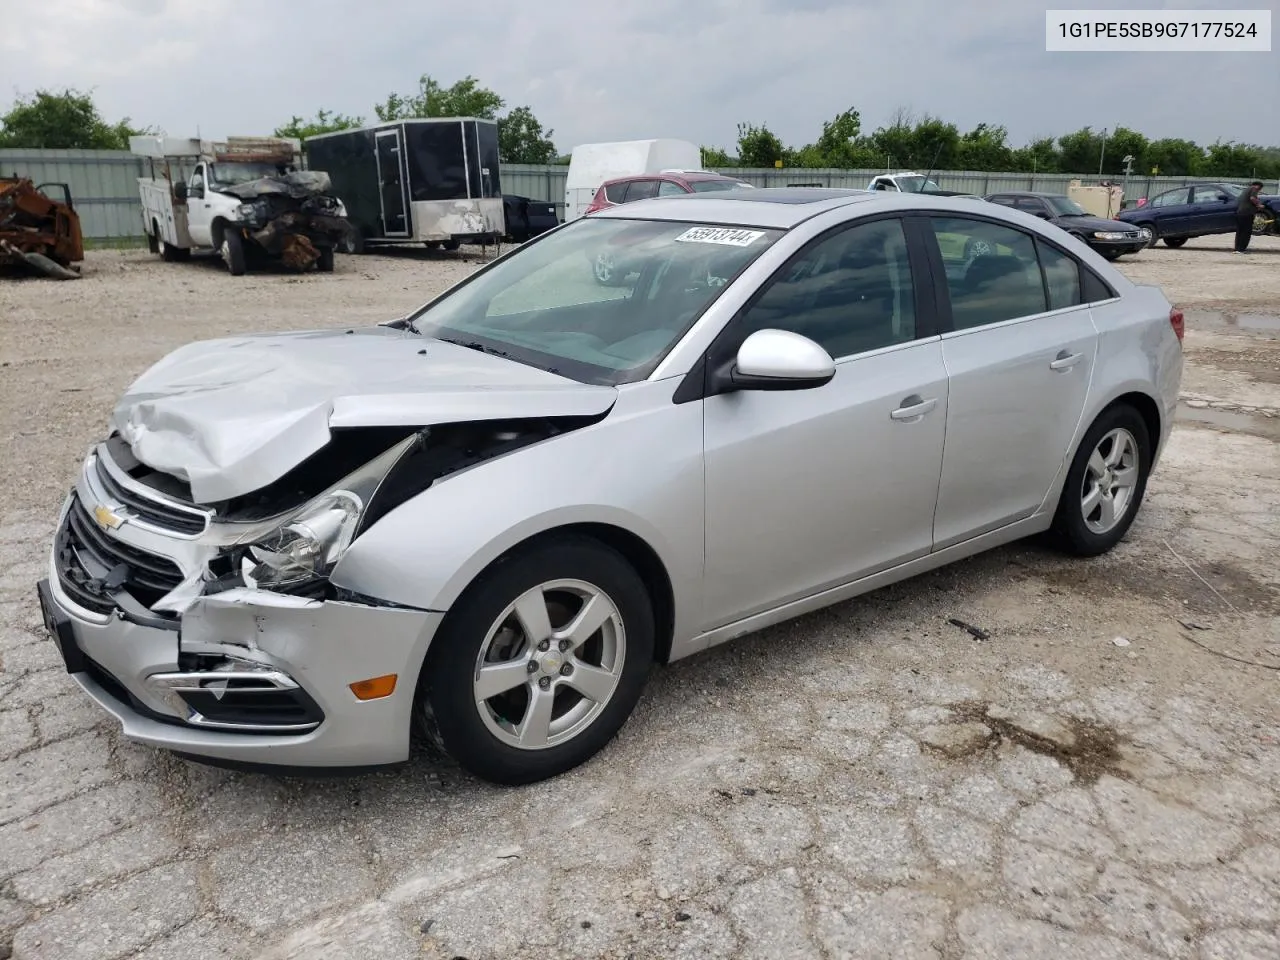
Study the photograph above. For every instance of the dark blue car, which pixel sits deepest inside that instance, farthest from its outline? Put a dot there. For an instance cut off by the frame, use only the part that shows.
(1197, 210)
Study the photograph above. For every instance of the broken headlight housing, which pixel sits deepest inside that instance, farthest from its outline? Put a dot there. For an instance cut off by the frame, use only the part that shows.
(251, 213)
(304, 547)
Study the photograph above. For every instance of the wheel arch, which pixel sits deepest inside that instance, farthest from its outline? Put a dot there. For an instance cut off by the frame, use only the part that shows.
(1147, 407)
(634, 549)
(215, 231)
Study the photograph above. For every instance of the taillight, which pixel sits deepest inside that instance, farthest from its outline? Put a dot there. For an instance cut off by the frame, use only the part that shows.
(1177, 322)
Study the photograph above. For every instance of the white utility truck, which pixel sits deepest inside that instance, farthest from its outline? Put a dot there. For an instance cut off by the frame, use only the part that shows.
(246, 199)
(591, 164)
(912, 182)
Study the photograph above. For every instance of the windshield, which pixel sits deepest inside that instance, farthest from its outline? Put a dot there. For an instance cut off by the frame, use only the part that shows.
(234, 174)
(917, 184)
(600, 300)
(1066, 207)
(715, 186)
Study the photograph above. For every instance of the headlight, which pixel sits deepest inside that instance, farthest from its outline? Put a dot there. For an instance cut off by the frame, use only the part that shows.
(307, 545)
(340, 209)
(247, 211)
(1108, 235)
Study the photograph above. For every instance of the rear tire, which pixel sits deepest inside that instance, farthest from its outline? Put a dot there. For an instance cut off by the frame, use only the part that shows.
(232, 250)
(452, 245)
(1174, 242)
(324, 263)
(153, 238)
(490, 736)
(1104, 487)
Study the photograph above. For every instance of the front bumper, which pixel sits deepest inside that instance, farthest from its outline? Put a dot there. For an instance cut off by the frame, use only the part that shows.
(1118, 247)
(315, 648)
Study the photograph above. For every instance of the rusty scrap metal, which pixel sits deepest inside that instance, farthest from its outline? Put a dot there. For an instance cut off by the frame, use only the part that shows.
(37, 232)
(298, 252)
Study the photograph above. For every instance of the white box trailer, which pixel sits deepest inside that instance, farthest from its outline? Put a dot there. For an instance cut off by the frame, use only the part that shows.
(591, 164)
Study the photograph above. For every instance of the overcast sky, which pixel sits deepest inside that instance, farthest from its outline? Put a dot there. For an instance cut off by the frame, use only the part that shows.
(631, 68)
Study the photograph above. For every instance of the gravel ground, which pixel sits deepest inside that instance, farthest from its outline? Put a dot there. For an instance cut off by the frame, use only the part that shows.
(867, 782)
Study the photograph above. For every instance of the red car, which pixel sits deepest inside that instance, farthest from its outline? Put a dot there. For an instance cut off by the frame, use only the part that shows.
(668, 183)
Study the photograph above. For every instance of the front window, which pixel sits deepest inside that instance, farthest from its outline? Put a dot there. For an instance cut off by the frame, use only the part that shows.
(599, 301)
(223, 175)
(718, 186)
(1230, 189)
(1066, 207)
(917, 184)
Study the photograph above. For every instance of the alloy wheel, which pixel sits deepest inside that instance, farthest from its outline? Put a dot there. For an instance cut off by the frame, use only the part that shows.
(1110, 479)
(549, 664)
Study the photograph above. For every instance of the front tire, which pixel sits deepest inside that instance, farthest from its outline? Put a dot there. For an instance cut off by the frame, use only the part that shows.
(232, 250)
(324, 262)
(1148, 231)
(540, 662)
(1105, 484)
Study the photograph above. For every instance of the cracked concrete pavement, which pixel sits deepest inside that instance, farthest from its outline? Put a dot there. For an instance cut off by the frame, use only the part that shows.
(1095, 780)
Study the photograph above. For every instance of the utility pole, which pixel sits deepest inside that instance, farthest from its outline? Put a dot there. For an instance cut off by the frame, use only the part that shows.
(1124, 187)
(1102, 155)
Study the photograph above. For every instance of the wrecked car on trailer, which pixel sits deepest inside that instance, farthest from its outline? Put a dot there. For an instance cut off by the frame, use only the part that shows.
(246, 199)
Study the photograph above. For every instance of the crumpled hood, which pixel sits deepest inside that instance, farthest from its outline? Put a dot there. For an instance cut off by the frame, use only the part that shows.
(230, 416)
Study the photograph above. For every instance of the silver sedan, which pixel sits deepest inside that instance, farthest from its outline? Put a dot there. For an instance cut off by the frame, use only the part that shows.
(485, 521)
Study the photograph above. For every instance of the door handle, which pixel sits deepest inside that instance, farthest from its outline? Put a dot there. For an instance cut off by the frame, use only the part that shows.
(913, 408)
(1065, 361)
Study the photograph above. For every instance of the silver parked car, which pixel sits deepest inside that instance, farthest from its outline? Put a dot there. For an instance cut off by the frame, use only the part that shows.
(486, 520)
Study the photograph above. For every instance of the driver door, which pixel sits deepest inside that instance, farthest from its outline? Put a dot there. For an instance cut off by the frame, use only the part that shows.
(199, 210)
(810, 489)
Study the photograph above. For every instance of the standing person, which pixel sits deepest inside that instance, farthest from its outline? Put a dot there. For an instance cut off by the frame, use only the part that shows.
(1248, 208)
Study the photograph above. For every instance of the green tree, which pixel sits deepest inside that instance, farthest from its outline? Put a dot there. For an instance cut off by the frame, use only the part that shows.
(758, 146)
(984, 148)
(1123, 142)
(1172, 157)
(63, 121)
(522, 140)
(1230, 160)
(323, 122)
(839, 143)
(466, 98)
(1038, 156)
(1080, 152)
(713, 157)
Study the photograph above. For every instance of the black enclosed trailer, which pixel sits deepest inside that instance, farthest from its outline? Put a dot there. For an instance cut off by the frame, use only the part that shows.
(416, 181)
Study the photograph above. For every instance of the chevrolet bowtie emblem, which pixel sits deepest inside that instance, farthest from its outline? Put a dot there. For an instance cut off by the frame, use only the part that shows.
(107, 518)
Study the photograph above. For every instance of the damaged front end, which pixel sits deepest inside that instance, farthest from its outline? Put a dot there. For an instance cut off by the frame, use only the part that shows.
(190, 621)
(292, 217)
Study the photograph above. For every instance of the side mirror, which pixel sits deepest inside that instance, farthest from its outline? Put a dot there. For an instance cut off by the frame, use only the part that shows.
(1044, 215)
(777, 360)
(1223, 198)
(180, 191)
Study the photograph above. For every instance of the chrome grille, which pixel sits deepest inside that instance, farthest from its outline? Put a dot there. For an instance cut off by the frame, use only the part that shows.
(92, 565)
(153, 510)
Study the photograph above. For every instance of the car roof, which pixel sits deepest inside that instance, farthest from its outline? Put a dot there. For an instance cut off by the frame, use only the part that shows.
(776, 207)
(689, 175)
(1024, 193)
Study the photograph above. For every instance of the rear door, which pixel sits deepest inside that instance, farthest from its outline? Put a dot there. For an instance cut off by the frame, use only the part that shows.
(1019, 346)
(391, 185)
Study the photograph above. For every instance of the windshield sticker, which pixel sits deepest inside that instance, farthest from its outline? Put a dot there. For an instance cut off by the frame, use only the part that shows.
(720, 235)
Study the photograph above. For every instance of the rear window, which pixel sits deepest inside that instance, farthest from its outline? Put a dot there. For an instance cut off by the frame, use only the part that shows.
(614, 192)
(717, 186)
